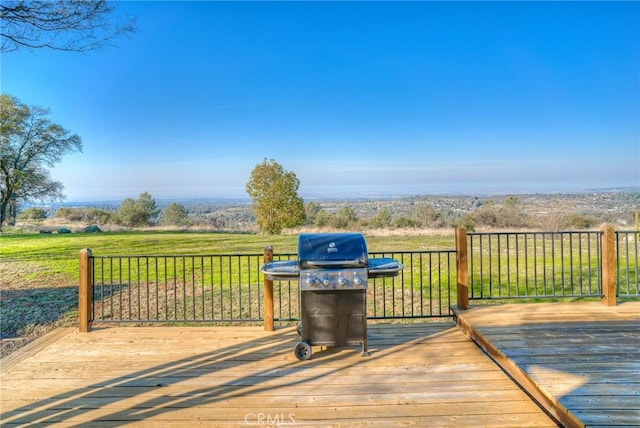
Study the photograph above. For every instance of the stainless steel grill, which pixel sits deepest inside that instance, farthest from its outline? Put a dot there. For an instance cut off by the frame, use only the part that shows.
(333, 270)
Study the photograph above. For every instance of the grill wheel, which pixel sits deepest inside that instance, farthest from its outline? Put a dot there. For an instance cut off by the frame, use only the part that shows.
(302, 351)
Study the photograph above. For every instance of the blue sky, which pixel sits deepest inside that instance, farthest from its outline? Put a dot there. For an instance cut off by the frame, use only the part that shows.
(357, 99)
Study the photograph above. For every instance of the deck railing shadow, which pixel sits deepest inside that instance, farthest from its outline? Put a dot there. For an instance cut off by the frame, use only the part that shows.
(73, 405)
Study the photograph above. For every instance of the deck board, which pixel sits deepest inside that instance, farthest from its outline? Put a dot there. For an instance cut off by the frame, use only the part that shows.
(579, 360)
(425, 374)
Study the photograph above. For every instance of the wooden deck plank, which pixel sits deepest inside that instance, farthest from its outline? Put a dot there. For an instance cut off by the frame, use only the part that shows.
(419, 374)
(579, 360)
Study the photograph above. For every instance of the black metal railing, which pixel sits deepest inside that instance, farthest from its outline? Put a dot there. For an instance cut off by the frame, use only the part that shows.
(521, 266)
(228, 288)
(186, 288)
(425, 288)
(627, 263)
(524, 265)
(542, 265)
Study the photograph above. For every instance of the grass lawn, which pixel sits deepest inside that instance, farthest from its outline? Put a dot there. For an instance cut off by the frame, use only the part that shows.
(39, 272)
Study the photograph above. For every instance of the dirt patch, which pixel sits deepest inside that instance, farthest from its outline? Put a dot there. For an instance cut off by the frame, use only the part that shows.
(33, 301)
(8, 346)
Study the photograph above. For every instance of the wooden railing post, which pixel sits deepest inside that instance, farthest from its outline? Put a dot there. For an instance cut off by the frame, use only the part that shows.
(268, 291)
(85, 291)
(462, 269)
(608, 265)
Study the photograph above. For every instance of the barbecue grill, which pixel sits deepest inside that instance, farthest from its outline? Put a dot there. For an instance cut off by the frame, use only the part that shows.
(333, 270)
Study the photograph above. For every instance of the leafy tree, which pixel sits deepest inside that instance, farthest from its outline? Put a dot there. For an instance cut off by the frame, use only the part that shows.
(345, 218)
(137, 213)
(67, 25)
(274, 192)
(29, 141)
(382, 218)
(174, 214)
(322, 219)
(311, 210)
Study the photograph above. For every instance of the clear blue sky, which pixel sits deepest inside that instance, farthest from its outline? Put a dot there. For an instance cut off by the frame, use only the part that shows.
(355, 98)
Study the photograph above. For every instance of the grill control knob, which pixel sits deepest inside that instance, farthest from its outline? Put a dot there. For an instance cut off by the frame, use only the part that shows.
(357, 281)
(326, 281)
(342, 281)
(309, 281)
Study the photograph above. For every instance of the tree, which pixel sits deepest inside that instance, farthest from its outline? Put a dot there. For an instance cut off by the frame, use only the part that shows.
(67, 25)
(322, 219)
(29, 141)
(382, 218)
(345, 218)
(174, 214)
(137, 213)
(274, 192)
(311, 211)
(426, 216)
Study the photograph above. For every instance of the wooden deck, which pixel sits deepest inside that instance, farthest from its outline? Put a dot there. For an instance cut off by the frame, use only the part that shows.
(427, 374)
(581, 361)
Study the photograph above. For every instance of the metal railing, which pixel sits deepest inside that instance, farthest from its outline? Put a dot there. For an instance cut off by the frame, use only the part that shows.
(549, 265)
(425, 288)
(186, 288)
(228, 288)
(628, 263)
(526, 265)
(521, 266)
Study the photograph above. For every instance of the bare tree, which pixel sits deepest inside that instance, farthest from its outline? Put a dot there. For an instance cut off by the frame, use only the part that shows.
(67, 25)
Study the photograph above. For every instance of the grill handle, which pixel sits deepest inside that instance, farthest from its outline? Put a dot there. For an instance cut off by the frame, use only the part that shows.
(335, 263)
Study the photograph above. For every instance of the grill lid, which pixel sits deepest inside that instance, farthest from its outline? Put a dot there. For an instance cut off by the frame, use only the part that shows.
(331, 251)
(335, 250)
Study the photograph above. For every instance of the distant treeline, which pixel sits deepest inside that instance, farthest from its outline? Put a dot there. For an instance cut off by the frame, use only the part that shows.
(557, 212)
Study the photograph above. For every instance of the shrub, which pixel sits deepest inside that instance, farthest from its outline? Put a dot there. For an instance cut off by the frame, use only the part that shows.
(84, 215)
(32, 214)
(577, 221)
(404, 222)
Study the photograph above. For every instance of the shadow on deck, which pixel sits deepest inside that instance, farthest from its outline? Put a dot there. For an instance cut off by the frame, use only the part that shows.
(426, 374)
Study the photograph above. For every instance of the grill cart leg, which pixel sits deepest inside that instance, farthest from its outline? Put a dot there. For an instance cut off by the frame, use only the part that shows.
(365, 351)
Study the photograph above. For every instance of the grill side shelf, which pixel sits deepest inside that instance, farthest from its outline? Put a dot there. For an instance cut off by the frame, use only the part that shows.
(284, 270)
(384, 268)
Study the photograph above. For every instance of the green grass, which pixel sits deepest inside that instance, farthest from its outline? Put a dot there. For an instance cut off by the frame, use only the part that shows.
(39, 272)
